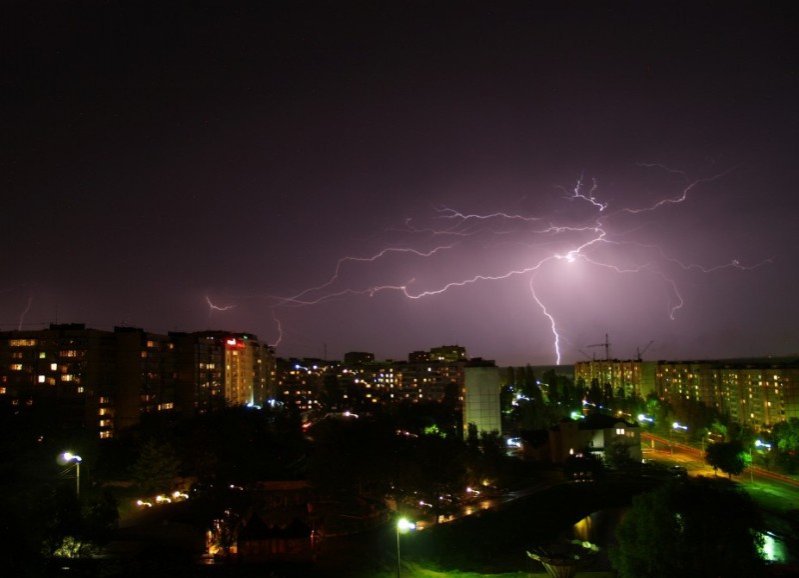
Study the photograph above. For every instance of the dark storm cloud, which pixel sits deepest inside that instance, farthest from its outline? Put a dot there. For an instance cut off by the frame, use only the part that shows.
(160, 153)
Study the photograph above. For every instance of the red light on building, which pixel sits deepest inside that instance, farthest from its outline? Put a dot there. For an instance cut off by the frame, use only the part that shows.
(233, 343)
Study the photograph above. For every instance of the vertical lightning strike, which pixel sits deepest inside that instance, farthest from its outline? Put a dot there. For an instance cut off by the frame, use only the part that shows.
(24, 313)
(549, 316)
(279, 331)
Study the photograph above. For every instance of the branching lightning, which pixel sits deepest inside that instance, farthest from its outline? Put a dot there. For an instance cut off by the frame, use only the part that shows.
(599, 240)
(212, 307)
(298, 298)
(577, 193)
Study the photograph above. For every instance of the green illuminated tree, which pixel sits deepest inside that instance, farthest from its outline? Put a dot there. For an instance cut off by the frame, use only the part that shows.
(727, 457)
(786, 441)
(701, 528)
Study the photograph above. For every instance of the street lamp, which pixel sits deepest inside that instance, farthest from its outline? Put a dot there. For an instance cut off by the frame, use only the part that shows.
(675, 426)
(70, 457)
(758, 444)
(403, 526)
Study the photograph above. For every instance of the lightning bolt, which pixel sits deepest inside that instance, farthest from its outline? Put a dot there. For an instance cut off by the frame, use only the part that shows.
(212, 307)
(577, 193)
(552, 325)
(681, 198)
(279, 331)
(596, 241)
(298, 298)
(24, 313)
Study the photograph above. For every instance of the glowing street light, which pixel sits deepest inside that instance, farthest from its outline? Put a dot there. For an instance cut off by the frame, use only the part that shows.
(675, 426)
(76, 459)
(758, 444)
(403, 527)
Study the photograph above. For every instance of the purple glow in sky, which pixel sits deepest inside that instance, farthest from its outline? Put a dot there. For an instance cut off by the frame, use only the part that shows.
(397, 176)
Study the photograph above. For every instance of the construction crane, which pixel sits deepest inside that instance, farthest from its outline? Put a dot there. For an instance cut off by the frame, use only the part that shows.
(639, 352)
(606, 345)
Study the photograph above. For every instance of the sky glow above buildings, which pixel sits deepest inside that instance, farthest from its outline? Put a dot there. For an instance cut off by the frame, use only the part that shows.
(516, 180)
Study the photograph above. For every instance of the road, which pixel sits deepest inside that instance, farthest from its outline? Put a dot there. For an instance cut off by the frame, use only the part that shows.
(776, 494)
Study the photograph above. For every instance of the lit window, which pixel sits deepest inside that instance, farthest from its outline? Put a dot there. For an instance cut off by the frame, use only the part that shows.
(67, 377)
(16, 367)
(42, 355)
(620, 431)
(21, 342)
(41, 378)
(105, 434)
(53, 366)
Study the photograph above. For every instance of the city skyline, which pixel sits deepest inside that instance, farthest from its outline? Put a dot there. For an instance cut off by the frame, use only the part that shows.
(395, 178)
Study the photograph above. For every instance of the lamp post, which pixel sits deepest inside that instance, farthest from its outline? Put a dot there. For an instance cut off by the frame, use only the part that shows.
(758, 444)
(675, 426)
(403, 526)
(70, 457)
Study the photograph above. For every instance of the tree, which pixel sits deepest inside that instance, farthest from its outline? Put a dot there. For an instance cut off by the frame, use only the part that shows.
(786, 434)
(607, 394)
(553, 393)
(510, 376)
(331, 391)
(156, 467)
(727, 457)
(785, 439)
(354, 456)
(579, 391)
(704, 527)
(506, 395)
(595, 392)
(430, 467)
(719, 429)
(530, 386)
(101, 517)
(617, 454)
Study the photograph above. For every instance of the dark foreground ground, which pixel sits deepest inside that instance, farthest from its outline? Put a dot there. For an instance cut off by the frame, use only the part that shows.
(490, 542)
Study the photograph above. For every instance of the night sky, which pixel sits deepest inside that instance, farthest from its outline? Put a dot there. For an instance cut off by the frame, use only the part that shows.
(490, 168)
